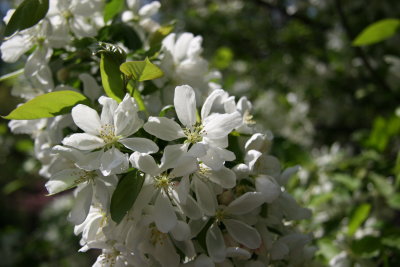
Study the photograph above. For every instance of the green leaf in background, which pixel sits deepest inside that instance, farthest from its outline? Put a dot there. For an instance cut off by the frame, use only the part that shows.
(223, 58)
(47, 105)
(111, 77)
(112, 8)
(366, 247)
(125, 194)
(376, 32)
(156, 38)
(27, 14)
(141, 70)
(359, 216)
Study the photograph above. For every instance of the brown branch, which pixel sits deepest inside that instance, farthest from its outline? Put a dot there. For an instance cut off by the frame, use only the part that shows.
(360, 51)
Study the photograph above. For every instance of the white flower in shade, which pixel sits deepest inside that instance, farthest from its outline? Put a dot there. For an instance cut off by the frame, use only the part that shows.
(108, 132)
(205, 182)
(211, 132)
(163, 185)
(237, 229)
(92, 185)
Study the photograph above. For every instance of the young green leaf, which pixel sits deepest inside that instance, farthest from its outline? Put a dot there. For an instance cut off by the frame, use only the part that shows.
(27, 14)
(125, 194)
(11, 75)
(376, 32)
(47, 105)
(359, 216)
(141, 70)
(111, 77)
(112, 8)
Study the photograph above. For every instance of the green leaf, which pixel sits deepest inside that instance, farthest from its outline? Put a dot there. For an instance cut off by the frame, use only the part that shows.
(120, 32)
(366, 247)
(11, 75)
(112, 8)
(376, 32)
(27, 14)
(141, 70)
(47, 105)
(111, 77)
(222, 58)
(125, 194)
(156, 38)
(359, 216)
(165, 110)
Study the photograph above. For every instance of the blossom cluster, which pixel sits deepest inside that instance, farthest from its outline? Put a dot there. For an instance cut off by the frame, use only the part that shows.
(180, 176)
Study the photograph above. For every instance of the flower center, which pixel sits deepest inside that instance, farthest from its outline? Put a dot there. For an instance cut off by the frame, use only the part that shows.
(220, 214)
(248, 118)
(107, 133)
(156, 237)
(203, 173)
(67, 14)
(85, 176)
(162, 181)
(194, 135)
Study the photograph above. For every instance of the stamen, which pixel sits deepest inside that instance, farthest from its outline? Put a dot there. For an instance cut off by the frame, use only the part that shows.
(107, 133)
(157, 237)
(85, 176)
(194, 135)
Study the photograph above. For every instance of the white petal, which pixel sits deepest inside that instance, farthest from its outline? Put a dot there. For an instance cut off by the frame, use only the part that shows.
(215, 243)
(220, 125)
(245, 203)
(83, 141)
(185, 105)
(142, 145)
(163, 128)
(172, 155)
(203, 261)
(90, 86)
(113, 161)
(183, 189)
(279, 250)
(243, 233)
(185, 166)
(109, 107)
(224, 177)
(181, 231)
(149, 10)
(238, 253)
(87, 119)
(81, 208)
(210, 100)
(291, 209)
(205, 197)
(164, 214)
(191, 208)
(165, 254)
(13, 48)
(268, 187)
(287, 173)
(182, 45)
(126, 119)
(63, 180)
(145, 163)
(259, 142)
